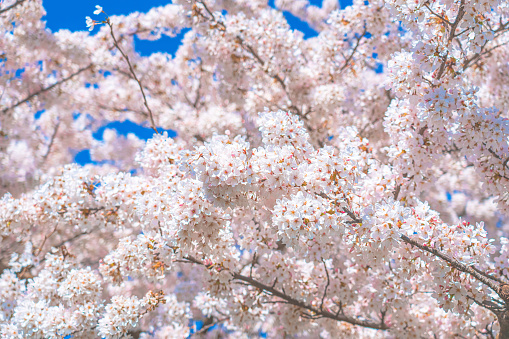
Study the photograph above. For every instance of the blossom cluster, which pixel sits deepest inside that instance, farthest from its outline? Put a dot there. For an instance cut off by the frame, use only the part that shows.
(350, 183)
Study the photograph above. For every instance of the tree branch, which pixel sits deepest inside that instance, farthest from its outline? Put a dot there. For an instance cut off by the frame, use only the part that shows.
(204, 329)
(454, 263)
(326, 286)
(19, 2)
(251, 51)
(52, 140)
(347, 61)
(454, 25)
(31, 96)
(437, 15)
(151, 116)
(292, 301)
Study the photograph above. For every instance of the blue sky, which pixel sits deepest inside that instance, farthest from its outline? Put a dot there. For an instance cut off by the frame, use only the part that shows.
(71, 15)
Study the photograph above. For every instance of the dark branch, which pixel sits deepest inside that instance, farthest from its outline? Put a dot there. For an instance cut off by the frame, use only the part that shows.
(454, 263)
(52, 140)
(19, 2)
(31, 96)
(326, 286)
(151, 116)
(317, 313)
(347, 61)
(438, 15)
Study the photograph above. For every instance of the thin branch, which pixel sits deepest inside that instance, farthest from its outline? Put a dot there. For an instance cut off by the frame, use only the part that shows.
(438, 15)
(487, 275)
(121, 110)
(396, 192)
(261, 62)
(250, 49)
(474, 272)
(290, 300)
(340, 309)
(252, 264)
(52, 140)
(499, 158)
(442, 66)
(46, 236)
(347, 61)
(19, 2)
(298, 303)
(204, 329)
(478, 56)
(151, 116)
(486, 304)
(212, 15)
(382, 316)
(355, 219)
(31, 96)
(197, 98)
(454, 263)
(326, 286)
(63, 242)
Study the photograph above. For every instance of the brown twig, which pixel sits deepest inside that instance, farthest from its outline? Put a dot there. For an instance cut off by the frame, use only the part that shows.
(251, 51)
(204, 329)
(355, 219)
(347, 61)
(396, 192)
(454, 263)
(46, 237)
(252, 264)
(131, 69)
(317, 313)
(52, 140)
(19, 2)
(31, 96)
(326, 286)
(437, 15)
(454, 25)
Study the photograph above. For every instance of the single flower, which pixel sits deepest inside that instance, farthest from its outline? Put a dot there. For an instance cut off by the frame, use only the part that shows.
(90, 23)
(98, 10)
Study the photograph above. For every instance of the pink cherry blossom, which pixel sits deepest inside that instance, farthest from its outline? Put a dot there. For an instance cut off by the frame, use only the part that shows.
(353, 184)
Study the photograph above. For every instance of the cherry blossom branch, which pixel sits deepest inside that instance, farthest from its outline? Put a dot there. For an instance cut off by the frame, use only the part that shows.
(251, 51)
(485, 278)
(452, 35)
(31, 96)
(46, 237)
(220, 23)
(52, 140)
(437, 15)
(347, 61)
(326, 286)
(295, 302)
(442, 66)
(19, 2)
(298, 303)
(397, 191)
(454, 263)
(454, 25)
(471, 61)
(204, 329)
(126, 58)
(486, 304)
(488, 276)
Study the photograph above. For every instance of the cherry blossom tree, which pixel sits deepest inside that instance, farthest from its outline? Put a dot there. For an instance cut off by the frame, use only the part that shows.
(354, 184)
